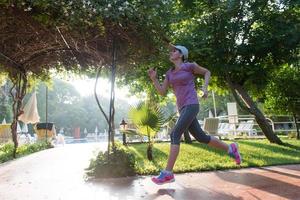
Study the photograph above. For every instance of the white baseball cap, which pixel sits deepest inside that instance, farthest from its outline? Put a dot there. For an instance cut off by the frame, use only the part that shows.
(183, 50)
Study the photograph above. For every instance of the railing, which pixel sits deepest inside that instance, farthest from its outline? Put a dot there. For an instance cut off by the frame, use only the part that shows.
(273, 123)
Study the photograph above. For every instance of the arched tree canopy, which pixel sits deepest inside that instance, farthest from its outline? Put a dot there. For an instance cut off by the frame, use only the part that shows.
(77, 35)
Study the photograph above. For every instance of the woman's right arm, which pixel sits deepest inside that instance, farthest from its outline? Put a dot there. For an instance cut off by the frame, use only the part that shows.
(161, 89)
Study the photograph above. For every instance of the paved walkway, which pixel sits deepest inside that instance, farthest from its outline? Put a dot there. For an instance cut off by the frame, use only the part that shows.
(58, 174)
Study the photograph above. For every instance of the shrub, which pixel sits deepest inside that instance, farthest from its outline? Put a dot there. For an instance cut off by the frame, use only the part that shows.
(6, 150)
(32, 148)
(121, 163)
(149, 119)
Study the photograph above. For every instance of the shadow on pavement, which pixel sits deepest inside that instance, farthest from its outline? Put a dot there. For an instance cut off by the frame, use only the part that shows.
(267, 184)
(281, 173)
(191, 194)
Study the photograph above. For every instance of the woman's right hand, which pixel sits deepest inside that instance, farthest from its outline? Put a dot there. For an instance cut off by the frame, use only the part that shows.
(152, 74)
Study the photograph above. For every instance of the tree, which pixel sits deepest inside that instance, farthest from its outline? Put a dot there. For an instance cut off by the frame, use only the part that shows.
(148, 120)
(283, 94)
(74, 36)
(241, 42)
(77, 111)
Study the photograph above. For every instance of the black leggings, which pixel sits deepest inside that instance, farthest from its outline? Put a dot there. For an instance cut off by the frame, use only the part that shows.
(188, 121)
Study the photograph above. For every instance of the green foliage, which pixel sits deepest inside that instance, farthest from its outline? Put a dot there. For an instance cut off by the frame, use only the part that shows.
(78, 111)
(6, 150)
(147, 118)
(3, 77)
(5, 103)
(221, 101)
(121, 163)
(93, 11)
(240, 39)
(117, 10)
(243, 41)
(31, 148)
(90, 26)
(282, 92)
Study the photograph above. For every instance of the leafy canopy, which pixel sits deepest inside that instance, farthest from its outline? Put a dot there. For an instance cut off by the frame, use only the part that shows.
(282, 93)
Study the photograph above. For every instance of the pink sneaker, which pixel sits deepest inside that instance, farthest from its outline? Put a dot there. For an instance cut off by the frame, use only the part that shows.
(234, 153)
(163, 178)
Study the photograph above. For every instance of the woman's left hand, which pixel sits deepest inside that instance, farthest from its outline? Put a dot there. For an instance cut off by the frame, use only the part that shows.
(205, 93)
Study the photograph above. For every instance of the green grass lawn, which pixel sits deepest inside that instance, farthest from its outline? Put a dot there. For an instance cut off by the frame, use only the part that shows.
(199, 157)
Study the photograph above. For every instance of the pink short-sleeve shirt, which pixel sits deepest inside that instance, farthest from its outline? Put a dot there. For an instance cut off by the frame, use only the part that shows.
(182, 82)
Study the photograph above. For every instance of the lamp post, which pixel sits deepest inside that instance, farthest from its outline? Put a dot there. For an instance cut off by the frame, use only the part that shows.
(46, 113)
(123, 126)
(213, 95)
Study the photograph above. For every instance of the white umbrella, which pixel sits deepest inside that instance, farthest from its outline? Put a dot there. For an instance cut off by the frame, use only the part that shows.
(25, 128)
(210, 115)
(61, 131)
(19, 130)
(4, 121)
(30, 114)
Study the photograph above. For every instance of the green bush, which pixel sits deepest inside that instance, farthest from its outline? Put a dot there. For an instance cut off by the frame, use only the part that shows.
(120, 164)
(31, 148)
(6, 150)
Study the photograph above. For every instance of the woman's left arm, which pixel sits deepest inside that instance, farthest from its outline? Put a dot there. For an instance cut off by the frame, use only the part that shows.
(206, 73)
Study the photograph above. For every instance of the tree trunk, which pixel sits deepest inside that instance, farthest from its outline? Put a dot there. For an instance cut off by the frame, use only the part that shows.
(149, 151)
(124, 139)
(297, 126)
(149, 148)
(248, 104)
(14, 136)
(20, 86)
(111, 129)
(108, 119)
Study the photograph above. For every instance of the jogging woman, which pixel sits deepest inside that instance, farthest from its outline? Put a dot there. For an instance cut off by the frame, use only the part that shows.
(181, 79)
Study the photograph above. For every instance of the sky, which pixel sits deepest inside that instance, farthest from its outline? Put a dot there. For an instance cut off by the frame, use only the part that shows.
(86, 87)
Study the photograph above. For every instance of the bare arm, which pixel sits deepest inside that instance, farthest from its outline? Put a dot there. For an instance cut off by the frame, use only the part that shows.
(161, 88)
(206, 73)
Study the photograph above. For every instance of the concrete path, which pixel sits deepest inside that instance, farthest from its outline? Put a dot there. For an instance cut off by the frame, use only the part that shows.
(58, 174)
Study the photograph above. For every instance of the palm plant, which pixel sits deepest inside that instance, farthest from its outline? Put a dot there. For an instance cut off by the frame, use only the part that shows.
(148, 119)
